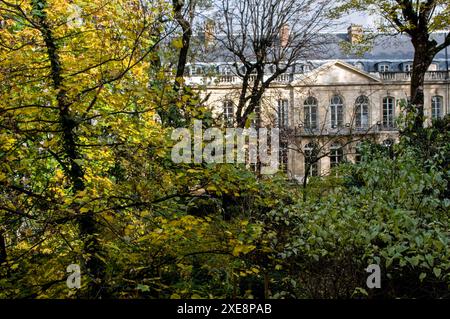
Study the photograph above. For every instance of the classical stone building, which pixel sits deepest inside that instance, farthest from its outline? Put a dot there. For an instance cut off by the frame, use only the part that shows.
(326, 106)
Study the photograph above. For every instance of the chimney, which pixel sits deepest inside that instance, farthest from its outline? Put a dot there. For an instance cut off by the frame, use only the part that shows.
(284, 35)
(355, 33)
(209, 31)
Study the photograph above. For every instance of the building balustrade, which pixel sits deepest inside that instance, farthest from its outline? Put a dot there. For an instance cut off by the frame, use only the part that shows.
(289, 77)
(406, 76)
(344, 130)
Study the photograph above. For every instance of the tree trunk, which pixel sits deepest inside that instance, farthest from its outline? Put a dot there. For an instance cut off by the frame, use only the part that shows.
(87, 226)
(186, 40)
(423, 57)
(3, 255)
(305, 180)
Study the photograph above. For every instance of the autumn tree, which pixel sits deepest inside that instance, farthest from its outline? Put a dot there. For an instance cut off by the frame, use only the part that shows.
(263, 34)
(86, 175)
(418, 19)
(72, 86)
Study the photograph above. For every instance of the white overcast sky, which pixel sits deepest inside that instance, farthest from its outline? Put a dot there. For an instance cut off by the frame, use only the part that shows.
(357, 18)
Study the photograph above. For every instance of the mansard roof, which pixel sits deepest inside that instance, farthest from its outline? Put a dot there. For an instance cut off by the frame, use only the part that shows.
(395, 50)
(385, 47)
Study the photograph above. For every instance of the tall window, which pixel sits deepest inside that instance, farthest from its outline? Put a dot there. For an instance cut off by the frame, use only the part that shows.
(388, 112)
(283, 108)
(310, 113)
(362, 112)
(228, 112)
(337, 111)
(311, 161)
(436, 107)
(336, 155)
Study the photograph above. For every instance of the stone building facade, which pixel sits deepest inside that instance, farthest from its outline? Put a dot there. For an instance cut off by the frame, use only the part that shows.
(328, 106)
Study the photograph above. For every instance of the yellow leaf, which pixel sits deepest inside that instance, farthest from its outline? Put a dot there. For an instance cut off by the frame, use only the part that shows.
(84, 210)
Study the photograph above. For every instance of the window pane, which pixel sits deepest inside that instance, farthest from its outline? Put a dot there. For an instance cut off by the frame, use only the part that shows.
(436, 107)
(337, 111)
(311, 161)
(228, 112)
(310, 113)
(336, 155)
(362, 112)
(283, 120)
(388, 112)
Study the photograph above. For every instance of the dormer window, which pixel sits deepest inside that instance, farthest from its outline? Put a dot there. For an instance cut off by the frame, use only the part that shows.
(433, 67)
(196, 70)
(306, 68)
(225, 70)
(384, 67)
(407, 67)
(359, 65)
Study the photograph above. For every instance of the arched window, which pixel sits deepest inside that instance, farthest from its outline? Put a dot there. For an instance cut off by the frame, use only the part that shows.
(311, 160)
(336, 154)
(310, 113)
(388, 112)
(362, 112)
(436, 107)
(360, 65)
(337, 111)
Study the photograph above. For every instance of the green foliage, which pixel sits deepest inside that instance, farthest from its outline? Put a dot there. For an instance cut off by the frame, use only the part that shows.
(390, 211)
(86, 178)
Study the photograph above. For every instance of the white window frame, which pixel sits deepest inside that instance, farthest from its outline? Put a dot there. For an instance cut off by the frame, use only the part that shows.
(336, 155)
(408, 67)
(437, 107)
(310, 108)
(314, 167)
(228, 111)
(384, 67)
(362, 111)
(283, 113)
(388, 109)
(337, 111)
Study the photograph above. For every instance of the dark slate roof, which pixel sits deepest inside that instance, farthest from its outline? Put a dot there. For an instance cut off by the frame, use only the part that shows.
(392, 49)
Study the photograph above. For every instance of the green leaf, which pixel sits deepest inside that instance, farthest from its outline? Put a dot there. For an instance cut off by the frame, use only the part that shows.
(437, 272)
(422, 276)
(143, 288)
